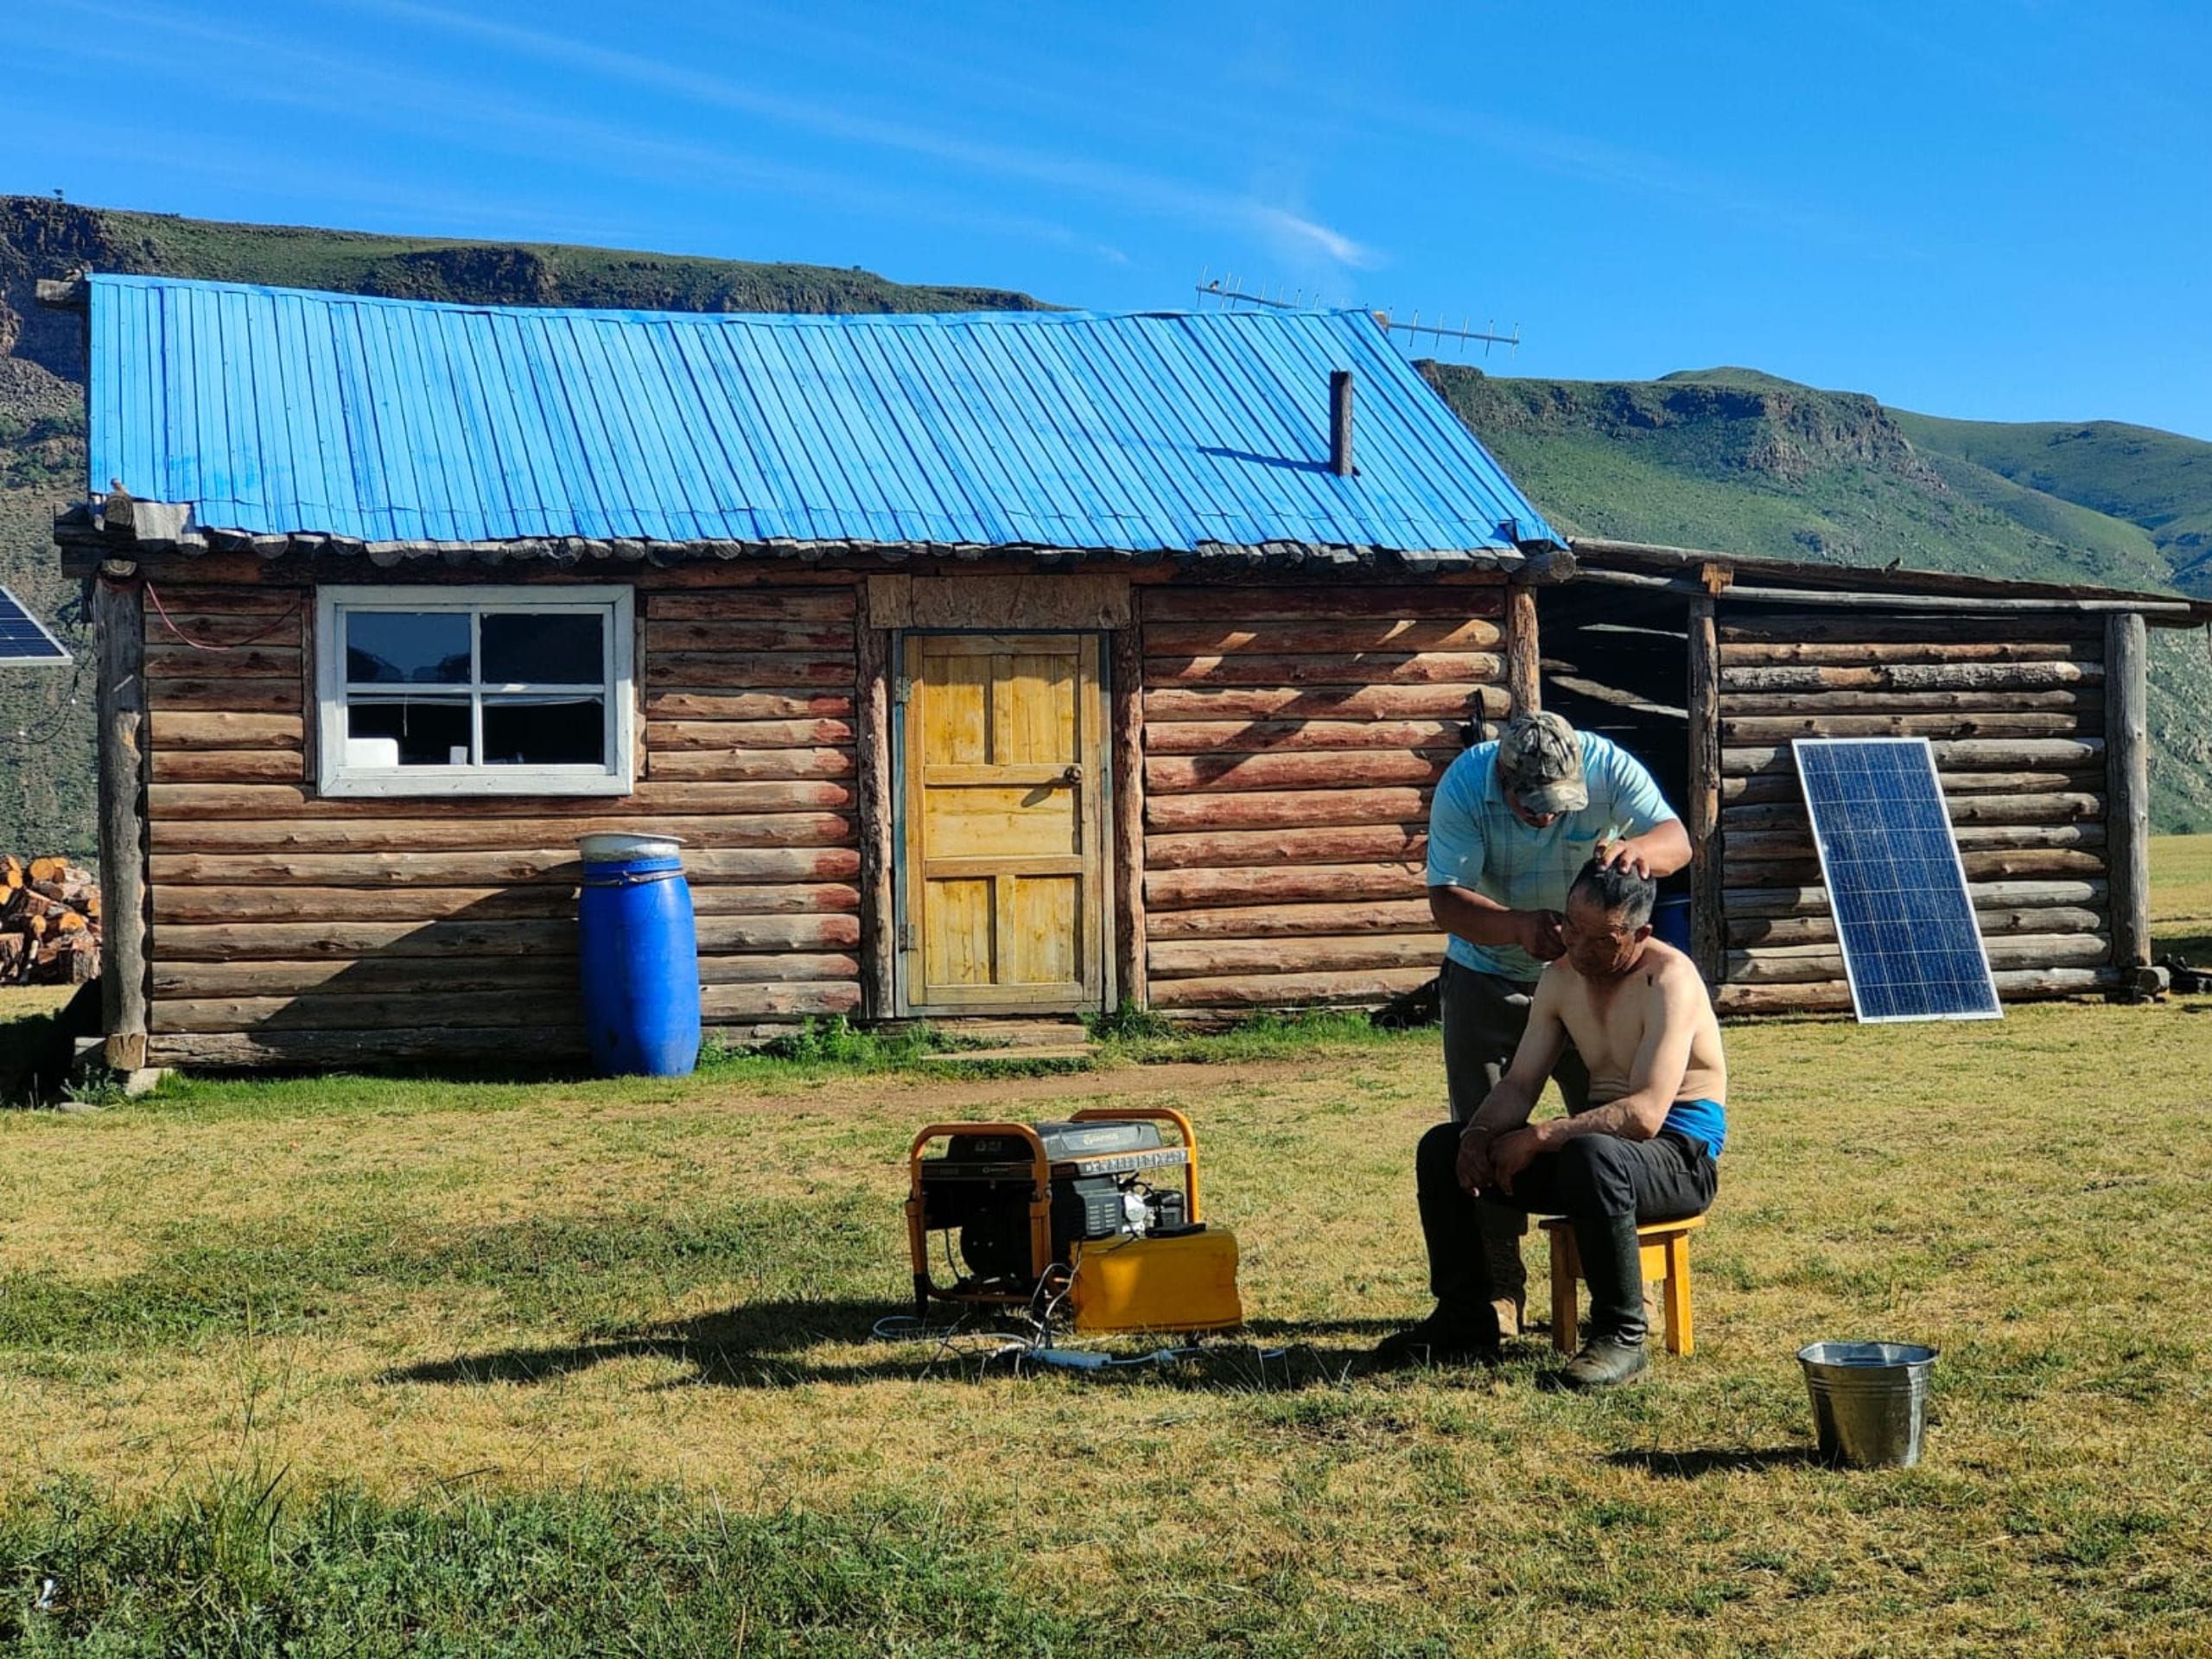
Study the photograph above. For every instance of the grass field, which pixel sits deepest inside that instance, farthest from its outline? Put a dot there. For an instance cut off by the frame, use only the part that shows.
(350, 1366)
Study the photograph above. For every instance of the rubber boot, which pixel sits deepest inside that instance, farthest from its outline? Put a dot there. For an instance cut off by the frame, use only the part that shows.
(1612, 1263)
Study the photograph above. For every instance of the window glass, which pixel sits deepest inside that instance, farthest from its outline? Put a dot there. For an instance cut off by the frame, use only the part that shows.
(409, 648)
(523, 648)
(544, 731)
(461, 690)
(428, 732)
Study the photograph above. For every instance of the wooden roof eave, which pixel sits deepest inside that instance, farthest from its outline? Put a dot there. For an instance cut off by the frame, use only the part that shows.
(117, 527)
(1698, 571)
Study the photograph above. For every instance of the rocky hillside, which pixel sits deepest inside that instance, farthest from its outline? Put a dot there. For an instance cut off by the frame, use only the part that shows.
(1740, 461)
(1724, 458)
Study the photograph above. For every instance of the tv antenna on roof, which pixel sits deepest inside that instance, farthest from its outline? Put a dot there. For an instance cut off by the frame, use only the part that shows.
(1226, 290)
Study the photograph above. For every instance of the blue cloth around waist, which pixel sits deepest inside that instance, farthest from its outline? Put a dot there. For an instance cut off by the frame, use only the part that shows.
(1700, 1120)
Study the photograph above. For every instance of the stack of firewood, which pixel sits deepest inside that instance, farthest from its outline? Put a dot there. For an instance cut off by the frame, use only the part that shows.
(49, 922)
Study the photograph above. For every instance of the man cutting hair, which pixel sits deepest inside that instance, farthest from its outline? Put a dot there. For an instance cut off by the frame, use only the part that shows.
(1648, 1151)
(1512, 821)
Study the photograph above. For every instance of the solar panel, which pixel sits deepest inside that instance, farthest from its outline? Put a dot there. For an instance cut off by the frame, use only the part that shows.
(1910, 947)
(23, 638)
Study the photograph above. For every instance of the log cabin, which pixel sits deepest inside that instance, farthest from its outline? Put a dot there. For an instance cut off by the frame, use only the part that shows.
(1010, 664)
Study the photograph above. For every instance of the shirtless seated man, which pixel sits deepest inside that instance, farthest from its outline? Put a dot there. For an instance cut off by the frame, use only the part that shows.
(1638, 1012)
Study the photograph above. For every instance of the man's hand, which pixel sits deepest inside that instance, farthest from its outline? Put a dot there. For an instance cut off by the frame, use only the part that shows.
(1475, 1146)
(1538, 934)
(1655, 853)
(1512, 1154)
(1628, 855)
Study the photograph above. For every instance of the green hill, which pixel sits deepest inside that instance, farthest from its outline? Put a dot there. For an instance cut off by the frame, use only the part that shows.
(2158, 481)
(1728, 458)
(1743, 461)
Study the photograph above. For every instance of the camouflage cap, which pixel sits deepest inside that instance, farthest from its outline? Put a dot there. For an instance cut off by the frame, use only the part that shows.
(1540, 759)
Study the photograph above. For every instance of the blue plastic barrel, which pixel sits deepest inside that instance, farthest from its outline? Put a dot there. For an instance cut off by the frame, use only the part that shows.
(1670, 920)
(640, 954)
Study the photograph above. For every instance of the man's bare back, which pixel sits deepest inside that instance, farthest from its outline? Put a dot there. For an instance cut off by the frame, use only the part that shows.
(1616, 1017)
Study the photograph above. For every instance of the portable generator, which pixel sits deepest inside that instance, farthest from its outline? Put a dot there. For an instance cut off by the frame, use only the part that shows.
(1034, 1204)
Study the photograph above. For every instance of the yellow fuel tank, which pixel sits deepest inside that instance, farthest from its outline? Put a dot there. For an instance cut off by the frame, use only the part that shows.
(1184, 1282)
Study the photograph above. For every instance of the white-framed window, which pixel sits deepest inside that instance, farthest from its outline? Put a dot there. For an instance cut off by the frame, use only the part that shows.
(474, 690)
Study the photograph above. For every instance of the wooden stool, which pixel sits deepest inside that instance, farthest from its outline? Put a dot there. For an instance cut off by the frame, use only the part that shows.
(1666, 1251)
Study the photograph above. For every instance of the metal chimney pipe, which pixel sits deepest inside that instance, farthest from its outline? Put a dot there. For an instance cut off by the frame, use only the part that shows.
(1340, 422)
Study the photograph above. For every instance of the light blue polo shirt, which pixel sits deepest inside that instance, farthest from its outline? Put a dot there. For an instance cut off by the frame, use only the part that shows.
(1475, 841)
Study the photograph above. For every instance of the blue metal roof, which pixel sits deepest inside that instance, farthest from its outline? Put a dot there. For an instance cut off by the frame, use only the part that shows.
(272, 411)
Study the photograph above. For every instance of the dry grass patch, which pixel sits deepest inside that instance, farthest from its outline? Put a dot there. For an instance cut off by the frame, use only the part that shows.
(574, 1366)
(2181, 896)
(407, 1290)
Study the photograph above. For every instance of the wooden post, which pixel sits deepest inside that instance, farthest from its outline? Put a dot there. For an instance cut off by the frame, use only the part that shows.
(1128, 738)
(1524, 681)
(2128, 788)
(1340, 422)
(879, 916)
(1708, 930)
(120, 630)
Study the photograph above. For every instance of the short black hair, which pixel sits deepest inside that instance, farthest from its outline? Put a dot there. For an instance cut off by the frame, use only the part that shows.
(1617, 891)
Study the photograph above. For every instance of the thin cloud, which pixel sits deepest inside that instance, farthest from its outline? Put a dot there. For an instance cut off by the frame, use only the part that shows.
(1309, 236)
(404, 101)
(1143, 191)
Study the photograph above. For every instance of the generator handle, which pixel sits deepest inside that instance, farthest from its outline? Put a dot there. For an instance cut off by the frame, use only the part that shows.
(1159, 1114)
(1040, 1202)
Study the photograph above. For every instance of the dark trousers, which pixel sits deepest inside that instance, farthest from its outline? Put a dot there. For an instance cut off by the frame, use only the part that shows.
(1592, 1177)
(1485, 1015)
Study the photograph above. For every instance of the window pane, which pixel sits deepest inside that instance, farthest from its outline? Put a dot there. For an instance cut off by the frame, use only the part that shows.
(425, 733)
(408, 647)
(544, 731)
(541, 648)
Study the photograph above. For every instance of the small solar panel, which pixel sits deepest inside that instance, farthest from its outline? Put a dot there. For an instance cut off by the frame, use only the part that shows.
(1910, 946)
(23, 638)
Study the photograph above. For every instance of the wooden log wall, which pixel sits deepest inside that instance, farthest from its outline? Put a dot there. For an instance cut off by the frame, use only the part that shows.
(287, 928)
(1291, 739)
(2015, 709)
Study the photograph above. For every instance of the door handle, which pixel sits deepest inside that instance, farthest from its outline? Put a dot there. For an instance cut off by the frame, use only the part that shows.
(1072, 775)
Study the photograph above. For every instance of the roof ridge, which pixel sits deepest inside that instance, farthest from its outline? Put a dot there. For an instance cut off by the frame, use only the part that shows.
(1012, 316)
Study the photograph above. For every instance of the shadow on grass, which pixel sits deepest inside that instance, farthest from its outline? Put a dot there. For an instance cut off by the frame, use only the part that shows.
(764, 1345)
(1701, 1461)
(752, 1346)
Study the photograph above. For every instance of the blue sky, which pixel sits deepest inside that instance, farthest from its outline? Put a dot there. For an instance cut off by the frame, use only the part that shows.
(2001, 210)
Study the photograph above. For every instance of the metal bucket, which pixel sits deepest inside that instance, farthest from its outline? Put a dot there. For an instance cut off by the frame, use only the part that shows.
(1870, 1401)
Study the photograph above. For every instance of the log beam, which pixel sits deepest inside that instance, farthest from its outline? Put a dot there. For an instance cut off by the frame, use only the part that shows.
(1291, 990)
(1523, 649)
(1986, 895)
(1210, 737)
(1756, 931)
(2127, 845)
(1954, 754)
(1703, 699)
(119, 629)
(1202, 887)
(1834, 996)
(1225, 603)
(1913, 676)
(1806, 965)
(879, 918)
(1129, 782)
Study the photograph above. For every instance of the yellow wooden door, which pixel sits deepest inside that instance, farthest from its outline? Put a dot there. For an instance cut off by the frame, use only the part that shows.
(1003, 875)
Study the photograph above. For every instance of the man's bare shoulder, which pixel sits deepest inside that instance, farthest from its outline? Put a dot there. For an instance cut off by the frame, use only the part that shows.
(1666, 969)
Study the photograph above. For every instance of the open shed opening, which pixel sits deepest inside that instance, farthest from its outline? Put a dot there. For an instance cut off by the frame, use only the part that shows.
(1616, 662)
